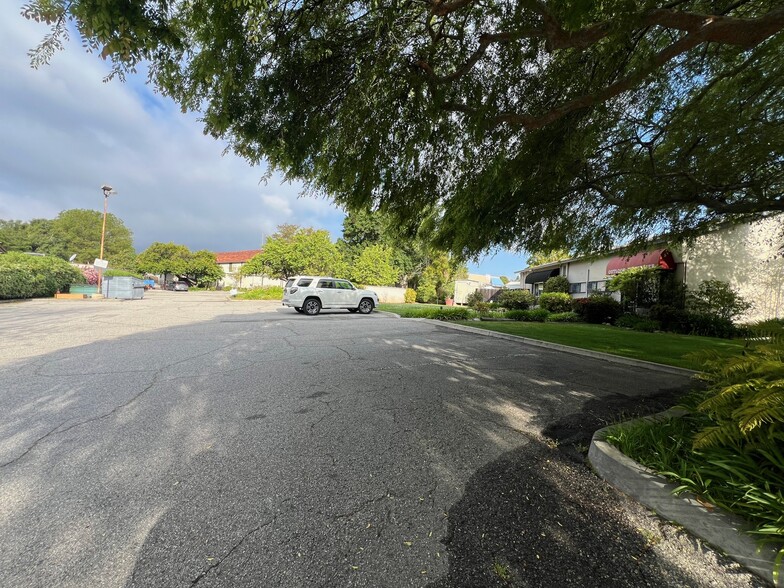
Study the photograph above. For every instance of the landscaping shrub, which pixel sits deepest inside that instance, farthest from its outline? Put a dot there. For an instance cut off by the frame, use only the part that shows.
(474, 298)
(90, 275)
(597, 308)
(638, 286)
(556, 284)
(638, 323)
(670, 318)
(555, 301)
(538, 315)
(15, 282)
(450, 314)
(564, 317)
(717, 298)
(728, 448)
(410, 296)
(708, 325)
(481, 307)
(34, 276)
(516, 299)
(426, 293)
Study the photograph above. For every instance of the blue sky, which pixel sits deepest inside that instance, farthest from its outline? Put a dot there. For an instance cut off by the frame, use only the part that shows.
(66, 133)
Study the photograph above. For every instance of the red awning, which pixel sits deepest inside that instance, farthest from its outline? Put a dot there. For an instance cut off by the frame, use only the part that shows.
(660, 258)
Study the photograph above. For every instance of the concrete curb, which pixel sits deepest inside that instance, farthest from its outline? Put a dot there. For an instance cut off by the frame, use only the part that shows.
(721, 529)
(567, 349)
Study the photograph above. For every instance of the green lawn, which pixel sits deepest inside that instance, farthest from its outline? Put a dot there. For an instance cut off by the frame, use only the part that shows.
(666, 348)
(409, 310)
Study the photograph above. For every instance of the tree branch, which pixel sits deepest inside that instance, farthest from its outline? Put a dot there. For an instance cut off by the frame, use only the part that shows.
(441, 8)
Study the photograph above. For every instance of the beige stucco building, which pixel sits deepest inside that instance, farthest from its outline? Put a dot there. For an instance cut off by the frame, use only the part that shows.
(748, 257)
(232, 261)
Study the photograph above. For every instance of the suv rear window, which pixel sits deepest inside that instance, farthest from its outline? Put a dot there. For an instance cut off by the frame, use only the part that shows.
(305, 282)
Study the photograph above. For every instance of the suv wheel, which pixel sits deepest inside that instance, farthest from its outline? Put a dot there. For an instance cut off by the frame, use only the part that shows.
(366, 306)
(311, 307)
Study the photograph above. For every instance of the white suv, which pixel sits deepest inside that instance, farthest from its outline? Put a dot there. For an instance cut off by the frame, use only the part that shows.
(309, 294)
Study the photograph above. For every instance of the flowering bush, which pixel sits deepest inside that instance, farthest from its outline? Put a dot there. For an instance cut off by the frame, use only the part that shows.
(89, 274)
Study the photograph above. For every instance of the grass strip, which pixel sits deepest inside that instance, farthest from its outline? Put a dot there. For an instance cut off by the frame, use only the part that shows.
(665, 348)
(267, 293)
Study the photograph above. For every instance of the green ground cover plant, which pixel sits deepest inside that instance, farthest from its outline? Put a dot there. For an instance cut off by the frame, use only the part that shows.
(728, 448)
(431, 311)
(266, 293)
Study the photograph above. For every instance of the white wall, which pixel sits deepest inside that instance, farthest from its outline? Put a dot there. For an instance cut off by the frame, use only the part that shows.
(584, 271)
(749, 258)
(389, 294)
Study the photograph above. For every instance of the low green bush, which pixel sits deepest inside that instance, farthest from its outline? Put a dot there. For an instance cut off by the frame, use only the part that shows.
(35, 276)
(481, 307)
(707, 325)
(537, 315)
(475, 298)
(638, 323)
(597, 308)
(410, 296)
(556, 284)
(694, 323)
(450, 314)
(670, 318)
(555, 301)
(516, 299)
(564, 317)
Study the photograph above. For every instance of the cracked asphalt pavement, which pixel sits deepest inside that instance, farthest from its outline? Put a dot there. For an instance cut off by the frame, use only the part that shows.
(189, 440)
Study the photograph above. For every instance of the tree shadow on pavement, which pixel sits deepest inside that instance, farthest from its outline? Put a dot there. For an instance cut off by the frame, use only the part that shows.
(573, 432)
(538, 517)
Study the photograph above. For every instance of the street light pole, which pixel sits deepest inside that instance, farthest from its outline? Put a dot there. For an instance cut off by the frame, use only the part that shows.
(107, 191)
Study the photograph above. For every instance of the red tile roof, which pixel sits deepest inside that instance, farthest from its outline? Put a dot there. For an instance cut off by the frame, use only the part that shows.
(236, 256)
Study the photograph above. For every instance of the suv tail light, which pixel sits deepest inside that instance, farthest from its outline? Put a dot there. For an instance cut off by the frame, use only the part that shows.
(293, 289)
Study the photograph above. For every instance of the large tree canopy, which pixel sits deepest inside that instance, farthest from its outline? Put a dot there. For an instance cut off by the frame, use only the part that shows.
(76, 231)
(538, 123)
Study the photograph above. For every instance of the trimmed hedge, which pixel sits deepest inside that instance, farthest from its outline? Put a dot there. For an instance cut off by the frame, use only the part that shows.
(450, 314)
(538, 315)
(35, 276)
(564, 317)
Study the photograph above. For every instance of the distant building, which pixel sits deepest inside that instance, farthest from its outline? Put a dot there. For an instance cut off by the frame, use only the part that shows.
(472, 283)
(232, 261)
(748, 257)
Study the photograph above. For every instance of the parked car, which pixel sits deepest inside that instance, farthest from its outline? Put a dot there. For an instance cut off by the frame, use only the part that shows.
(177, 286)
(309, 294)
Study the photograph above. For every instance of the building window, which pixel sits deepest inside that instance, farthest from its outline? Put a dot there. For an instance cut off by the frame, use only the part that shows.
(576, 288)
(596, 287)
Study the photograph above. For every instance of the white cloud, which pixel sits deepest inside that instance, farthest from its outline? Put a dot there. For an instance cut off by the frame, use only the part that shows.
(66, 133)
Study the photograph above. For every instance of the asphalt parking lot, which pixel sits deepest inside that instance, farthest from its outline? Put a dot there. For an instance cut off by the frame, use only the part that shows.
(190, 440)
